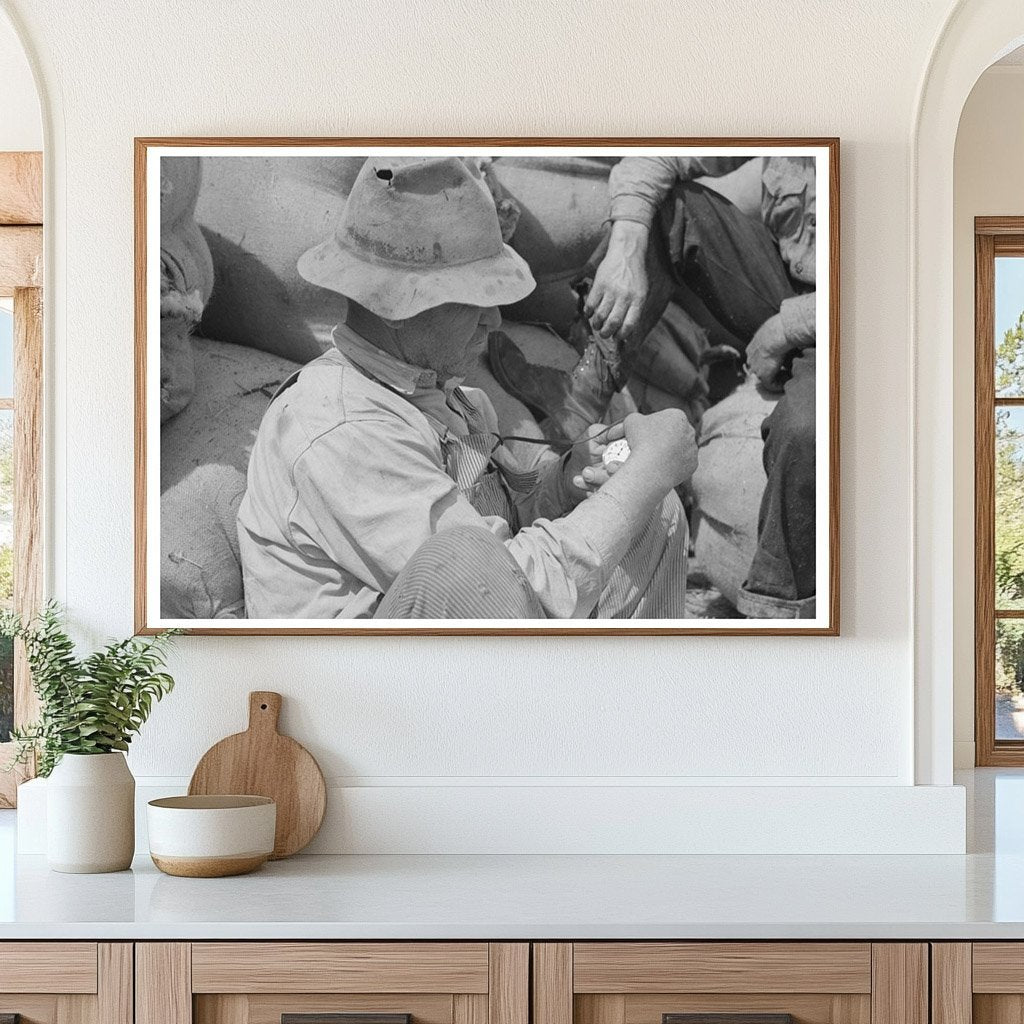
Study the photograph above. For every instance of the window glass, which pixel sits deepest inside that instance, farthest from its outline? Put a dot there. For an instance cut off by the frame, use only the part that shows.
(6, 351)
(1009, 679)
(1009, 327)
(1009, 495)
(1009, 511)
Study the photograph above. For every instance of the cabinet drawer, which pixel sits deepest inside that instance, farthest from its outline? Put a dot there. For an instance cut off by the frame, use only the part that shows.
(340, 967)
(730, 983)
(332, 983)
(998, 968)
(65, 967)
(774, 982)
(66, 982)
(741, 967)
(981, 982)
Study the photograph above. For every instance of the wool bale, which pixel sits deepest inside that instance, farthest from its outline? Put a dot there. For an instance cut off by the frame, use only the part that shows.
(186, 280)
(200, 563)
(180, 180)
(177, 365)
(181, 241)
(204, 456)
(563, 202)
(259, 215)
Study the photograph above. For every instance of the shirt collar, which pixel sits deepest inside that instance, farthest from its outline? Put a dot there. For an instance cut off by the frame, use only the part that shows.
(402, 377)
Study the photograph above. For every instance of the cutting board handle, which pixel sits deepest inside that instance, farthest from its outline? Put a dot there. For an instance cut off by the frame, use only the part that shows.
(264, 710)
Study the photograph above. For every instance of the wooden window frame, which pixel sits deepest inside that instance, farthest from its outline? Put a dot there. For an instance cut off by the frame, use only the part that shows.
(993, 237)
(21, 278)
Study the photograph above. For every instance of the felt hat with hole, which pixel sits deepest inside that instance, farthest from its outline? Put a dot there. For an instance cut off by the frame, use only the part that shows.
(417, 233)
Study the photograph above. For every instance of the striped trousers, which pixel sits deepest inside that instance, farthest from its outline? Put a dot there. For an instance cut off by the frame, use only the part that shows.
(468, 573)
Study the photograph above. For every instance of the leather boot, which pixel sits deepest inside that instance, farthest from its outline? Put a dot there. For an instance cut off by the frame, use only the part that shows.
(565, 404)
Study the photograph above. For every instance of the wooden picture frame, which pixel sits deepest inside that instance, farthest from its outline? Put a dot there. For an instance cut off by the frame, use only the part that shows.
(150, 150)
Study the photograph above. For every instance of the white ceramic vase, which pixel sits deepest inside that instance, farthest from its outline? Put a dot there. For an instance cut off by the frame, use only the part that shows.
(90, 814)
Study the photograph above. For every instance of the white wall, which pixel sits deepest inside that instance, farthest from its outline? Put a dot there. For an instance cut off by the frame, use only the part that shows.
(987, 181)
(21, 127)
(441, 712)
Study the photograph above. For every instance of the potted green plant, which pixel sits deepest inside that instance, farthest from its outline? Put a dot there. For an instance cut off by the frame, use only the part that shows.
(90, 708)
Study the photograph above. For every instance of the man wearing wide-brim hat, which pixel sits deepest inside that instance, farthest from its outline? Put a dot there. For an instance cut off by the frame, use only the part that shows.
(379, 487)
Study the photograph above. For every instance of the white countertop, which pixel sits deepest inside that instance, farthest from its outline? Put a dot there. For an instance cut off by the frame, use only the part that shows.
(977, 896)
(516, 897)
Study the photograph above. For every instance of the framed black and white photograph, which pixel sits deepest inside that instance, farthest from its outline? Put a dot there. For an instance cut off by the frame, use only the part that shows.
(550, 386)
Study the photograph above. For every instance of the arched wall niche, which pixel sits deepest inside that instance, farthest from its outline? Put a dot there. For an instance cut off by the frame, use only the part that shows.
(21, 119)
(975, 35)
(21, 130)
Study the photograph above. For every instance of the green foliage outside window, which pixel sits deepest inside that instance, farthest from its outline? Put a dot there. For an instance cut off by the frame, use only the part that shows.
(1009, 656)
(1010, 362)
(1009, 510)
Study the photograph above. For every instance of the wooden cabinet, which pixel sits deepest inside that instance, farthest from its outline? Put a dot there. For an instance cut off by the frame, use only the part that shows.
(980, 982)
(264, 982)
(512, 983)
(66, 982)
(753, 982)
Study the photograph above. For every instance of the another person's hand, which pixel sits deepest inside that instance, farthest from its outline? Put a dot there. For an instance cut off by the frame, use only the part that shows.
(663, 443)
(767, 351)
(585, 470)
(617, 295)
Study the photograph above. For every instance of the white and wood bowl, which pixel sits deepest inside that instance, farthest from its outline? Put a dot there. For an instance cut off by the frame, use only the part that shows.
(211, 836)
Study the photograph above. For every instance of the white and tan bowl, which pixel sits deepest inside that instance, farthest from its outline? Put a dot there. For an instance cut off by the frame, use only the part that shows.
(211, 836)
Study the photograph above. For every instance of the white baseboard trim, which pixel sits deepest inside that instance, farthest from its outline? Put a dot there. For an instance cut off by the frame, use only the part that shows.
(525, 819)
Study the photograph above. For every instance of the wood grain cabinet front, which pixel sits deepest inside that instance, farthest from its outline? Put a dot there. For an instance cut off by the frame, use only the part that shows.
(332, 983)
(494, 983)
(66, 982)
(730, 983)
(978, 983)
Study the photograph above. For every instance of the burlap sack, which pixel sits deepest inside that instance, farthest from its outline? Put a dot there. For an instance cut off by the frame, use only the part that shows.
(204, 454)
(259, 215)
(186, 280)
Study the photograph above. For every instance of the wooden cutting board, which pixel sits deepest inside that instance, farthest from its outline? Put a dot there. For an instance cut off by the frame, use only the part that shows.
(262, 762)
